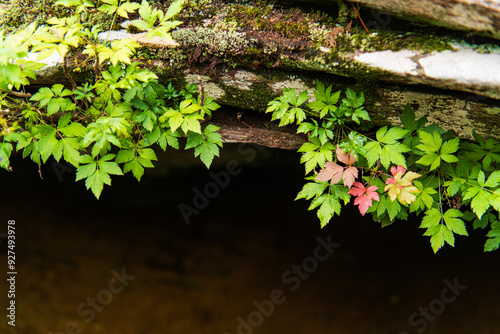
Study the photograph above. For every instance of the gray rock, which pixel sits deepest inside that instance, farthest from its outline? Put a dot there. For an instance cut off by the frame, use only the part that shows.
(462, 70)
(463, 67)
(113, 35)
(479, 16)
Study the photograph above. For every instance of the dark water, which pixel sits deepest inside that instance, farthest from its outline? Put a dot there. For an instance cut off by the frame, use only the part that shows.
(251, 259)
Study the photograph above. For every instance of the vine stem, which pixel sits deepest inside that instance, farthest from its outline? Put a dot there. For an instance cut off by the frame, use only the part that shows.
(20, 94)
(360, 18)
(113, 21)
(66, 73)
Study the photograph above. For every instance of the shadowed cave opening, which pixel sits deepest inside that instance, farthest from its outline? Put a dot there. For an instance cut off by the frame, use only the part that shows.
(252, 260)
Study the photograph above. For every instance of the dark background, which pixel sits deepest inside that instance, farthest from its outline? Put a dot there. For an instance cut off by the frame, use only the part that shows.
(200, 277)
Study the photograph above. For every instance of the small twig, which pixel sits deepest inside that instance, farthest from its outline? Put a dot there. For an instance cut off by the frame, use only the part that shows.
(66, 73)
(20, 94)
(360, 18)
(239, 116)
(40, 171)
(97, 69)
(201, 90)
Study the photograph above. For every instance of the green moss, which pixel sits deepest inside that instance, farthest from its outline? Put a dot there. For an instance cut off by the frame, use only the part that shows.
(288, 23)
(23, 12)
(255, 98)
(493, 110)
(358, 39)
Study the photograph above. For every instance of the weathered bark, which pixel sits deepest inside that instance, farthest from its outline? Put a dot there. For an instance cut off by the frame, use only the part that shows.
(264, 137)
(252, 90)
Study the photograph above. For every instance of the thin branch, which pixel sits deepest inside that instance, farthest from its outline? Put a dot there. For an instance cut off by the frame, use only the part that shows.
(202, 91)
(40, 171)
(97, 69)
(20, 94)
(360, 18)
(66, 73)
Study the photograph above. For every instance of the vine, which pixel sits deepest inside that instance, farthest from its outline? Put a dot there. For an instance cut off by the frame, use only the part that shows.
(414, 168)
(105, 127)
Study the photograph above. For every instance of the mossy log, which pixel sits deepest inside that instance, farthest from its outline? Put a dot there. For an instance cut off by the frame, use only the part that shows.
(251, 90)
(245, 54)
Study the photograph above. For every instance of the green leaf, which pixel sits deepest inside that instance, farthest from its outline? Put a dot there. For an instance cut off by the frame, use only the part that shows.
(5, 152)
(408, 117)
(96, 181)
(439, 234)
(495, 200)
(210, 133)
(175, 119)
(205, 145)
(46, 146)
(450, 146)
(424, 199)
(162, 137)
(174, 9)
(207, 151)
(281, 109)
(390, 136)
(493, 180)
(315, 154)
(110, 167)
(126, 8)
(329, 206)
(429, 142)
(432, 217)
(147, 13)
(453, 222)
(96, 173)
(430, 159)
(312, 189)
(387, 149)
(87, 169)
(44, 95)
(70, 149)
(373, 150)
(74, 129)
(147, 119)
(493, 235)
(360, 113)
(393, 208)
(12, 74)
(124, 156)
(192, 123)
(481, 202)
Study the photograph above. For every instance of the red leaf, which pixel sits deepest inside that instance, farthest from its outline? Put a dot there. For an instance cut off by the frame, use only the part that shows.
(345, 158)
(364, 196)
(358, 189)
(331, 171)
(349, 175)
(395, 171)
(372, 193)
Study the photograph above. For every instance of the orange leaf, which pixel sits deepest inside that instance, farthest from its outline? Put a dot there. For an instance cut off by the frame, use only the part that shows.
(345, 158)
(349, 175)
(331, 171)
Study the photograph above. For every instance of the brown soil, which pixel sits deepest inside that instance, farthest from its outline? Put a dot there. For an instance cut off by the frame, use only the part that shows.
(201, 277)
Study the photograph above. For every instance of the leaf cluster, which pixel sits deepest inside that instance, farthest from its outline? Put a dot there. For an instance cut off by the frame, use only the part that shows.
(416, 168)
(108, 126)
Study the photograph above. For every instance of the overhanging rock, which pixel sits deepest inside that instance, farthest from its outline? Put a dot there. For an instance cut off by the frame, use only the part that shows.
(244, 66)
(478, 16)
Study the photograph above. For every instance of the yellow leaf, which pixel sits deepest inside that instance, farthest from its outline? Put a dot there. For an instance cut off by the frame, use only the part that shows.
(394, 191)
(405, 195)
